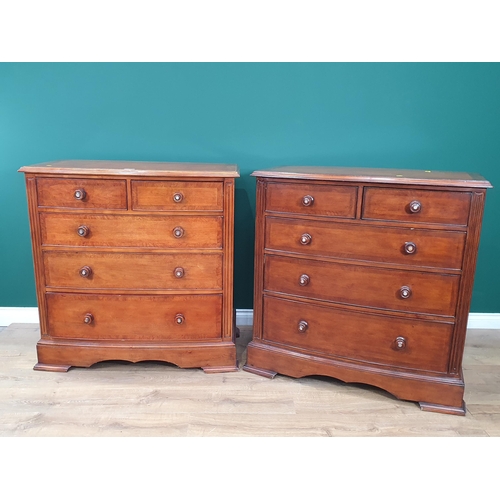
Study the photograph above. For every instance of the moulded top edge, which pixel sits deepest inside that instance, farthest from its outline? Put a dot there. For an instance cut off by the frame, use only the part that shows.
(377, 175)
(139, 168)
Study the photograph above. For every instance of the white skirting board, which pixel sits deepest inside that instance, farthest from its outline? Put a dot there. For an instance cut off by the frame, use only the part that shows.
(244, 317)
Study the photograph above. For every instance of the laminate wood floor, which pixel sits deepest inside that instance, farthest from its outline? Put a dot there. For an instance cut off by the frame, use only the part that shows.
(159, 399)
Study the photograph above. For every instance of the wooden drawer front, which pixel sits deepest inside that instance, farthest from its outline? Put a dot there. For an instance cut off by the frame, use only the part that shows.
(312, 199)
(410, 291)
(443, 249)
(167, 195)
(134, 317)
(131, 231)
(425, 345)
(441, 207)
(88, 270)
(93, 193)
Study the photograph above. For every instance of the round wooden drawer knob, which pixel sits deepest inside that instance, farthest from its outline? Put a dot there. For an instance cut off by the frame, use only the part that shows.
(178, 197)
(179, 319)
(303, 326)
(415, 207)
(80, 194)
(83, 231)
(405, 292)
(400, 343)
(85, 272)
(410, 247)
(88, 319)
(305, 239)
(307, 200)
(179, 272)
(178, 232)
(304, 280)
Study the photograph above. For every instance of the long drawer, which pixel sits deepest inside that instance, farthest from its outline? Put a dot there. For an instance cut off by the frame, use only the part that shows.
(399, 290)
(419, 247)
(89, 270)
(421, 345)
(134, 317)
(181, 231)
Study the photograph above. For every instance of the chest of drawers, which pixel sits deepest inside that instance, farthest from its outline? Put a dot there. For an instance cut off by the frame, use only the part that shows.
(133, 261)
(366, 275)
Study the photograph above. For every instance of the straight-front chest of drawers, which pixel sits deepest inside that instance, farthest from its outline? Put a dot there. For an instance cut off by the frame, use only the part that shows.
(366, 275)
(133, 261)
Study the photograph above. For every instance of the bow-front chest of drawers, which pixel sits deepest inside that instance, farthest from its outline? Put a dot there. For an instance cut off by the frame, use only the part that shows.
(133, 261)
(366, 275)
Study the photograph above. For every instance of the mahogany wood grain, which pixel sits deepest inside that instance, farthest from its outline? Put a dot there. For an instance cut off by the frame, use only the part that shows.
(360, 336)
(331, 201)
(140, 271)
(437, 390)
(375, 243)
(95, 193)
(133, 168)
(141, 231)
(440, 207)
(177, 195)
(366, 286)
(331, 292)
(134, 317)
(159, 285)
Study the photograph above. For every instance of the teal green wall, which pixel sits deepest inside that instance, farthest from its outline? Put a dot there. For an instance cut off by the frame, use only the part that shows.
(432, 116)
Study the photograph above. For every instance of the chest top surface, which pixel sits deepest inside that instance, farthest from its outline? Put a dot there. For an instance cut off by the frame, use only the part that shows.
(377, 175)
(133, 168)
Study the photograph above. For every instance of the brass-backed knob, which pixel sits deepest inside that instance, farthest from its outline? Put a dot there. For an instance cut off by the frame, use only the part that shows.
(304, 280)
(303, 326)
(307, 200)
(179, 319)
(85, 272)
(410, 247)
(405, 292)
(305, 239)
(178, 232)
(179, 272)
(400, 343)
(415, 206)
(80, 194)
(88, 319)
(83, 231)
(178, 197)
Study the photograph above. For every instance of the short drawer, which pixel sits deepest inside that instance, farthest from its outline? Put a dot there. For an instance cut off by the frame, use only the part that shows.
(82, 193)
(173, 196)
(409, 291)
(416, 205)
(413, 247)
(150, 271)
(312, 199)
(134, 317)
(176, 232)
(395, 342)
